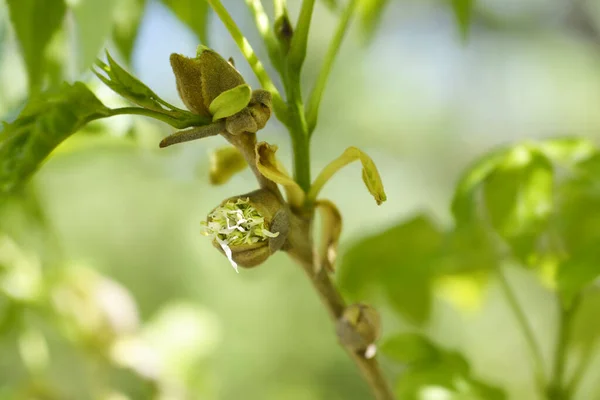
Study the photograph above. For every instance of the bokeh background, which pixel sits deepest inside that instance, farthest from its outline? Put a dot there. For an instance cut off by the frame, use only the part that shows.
(108, 290)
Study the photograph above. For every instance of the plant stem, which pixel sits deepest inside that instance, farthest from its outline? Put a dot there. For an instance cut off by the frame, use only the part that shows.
(301, 148)
(279, 7)
(555, 389)
(519, 314)
(264, 28)
(194, 120)
(317, 93)
(586, 358)
(301, 250)
(300, 39)
(244, 46)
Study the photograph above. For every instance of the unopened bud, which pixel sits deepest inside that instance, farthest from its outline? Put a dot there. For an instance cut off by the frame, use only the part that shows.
(358, 328)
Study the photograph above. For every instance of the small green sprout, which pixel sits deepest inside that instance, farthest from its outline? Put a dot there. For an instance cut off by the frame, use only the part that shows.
(236, 223)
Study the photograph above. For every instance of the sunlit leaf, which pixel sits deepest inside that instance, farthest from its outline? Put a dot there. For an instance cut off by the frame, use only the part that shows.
(463, 10)
(35, 22)
(194, 14)
(94, 23)
(230, 102)
(371, 12)
(46, 121)
(518, 196)
(224, 163)
(126, 23)
(401, 261)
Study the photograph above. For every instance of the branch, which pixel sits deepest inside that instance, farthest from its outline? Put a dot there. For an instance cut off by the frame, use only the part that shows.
(519, 314)
(300, 249)
(316, 95)
(300, 38)
(264, 28)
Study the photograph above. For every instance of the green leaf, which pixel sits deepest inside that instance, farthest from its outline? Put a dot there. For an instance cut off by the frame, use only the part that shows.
(576, 273)
(463, 10)
(126, 23)
(464, 203)
(192, 13)
(46, 121)
(401, 261)
(409, 348)
(35, 22)
(433, 370)
(370, 14)
(94, 23)
(331, 4)
(518, 196)
(230, 102)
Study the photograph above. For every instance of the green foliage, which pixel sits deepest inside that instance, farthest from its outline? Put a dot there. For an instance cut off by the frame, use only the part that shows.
(94, 21)
(126, 24)
(46, 121)
(401, 261)
(35, 22)
(432, 370)
(371, 12)
(463, 10)
(195, 14)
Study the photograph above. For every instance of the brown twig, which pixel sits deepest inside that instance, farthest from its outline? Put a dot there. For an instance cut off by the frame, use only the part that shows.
(300, 248)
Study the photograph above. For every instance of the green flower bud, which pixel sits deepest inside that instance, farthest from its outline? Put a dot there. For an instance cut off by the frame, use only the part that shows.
(248, 228)
(358, 328)
(211, 86)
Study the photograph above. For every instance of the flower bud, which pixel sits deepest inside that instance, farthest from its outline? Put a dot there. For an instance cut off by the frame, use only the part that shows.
(249, 228)
(358, 328)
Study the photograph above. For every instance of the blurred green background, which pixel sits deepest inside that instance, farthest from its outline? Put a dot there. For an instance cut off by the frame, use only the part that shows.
(108, 290)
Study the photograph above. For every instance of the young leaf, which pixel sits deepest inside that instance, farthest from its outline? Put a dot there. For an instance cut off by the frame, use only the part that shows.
(126, 23)
(402, 261)
(35, 22)
(194, 14)
(370, 175)
(46, 121)
(271, 168)
(463, 9)
(94, 23)
(519, 197)
(230, 102)
(126, 85)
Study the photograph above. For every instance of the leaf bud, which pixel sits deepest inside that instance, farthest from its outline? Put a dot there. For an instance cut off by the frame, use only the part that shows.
(358, 328)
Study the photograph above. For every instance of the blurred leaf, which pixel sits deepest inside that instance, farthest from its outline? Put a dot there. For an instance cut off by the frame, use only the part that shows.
(46, 121)
(578, 228)
(94, 21)
(194, 14)
(577, 272)
(464, 203)
(519, 198)
(331, 4)
(224, 163)
(463, 9)
(409, 348)
(401, 260)
(568, 151)
(127, 20)
(371, 12)
(434, 372)
(35, 22)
